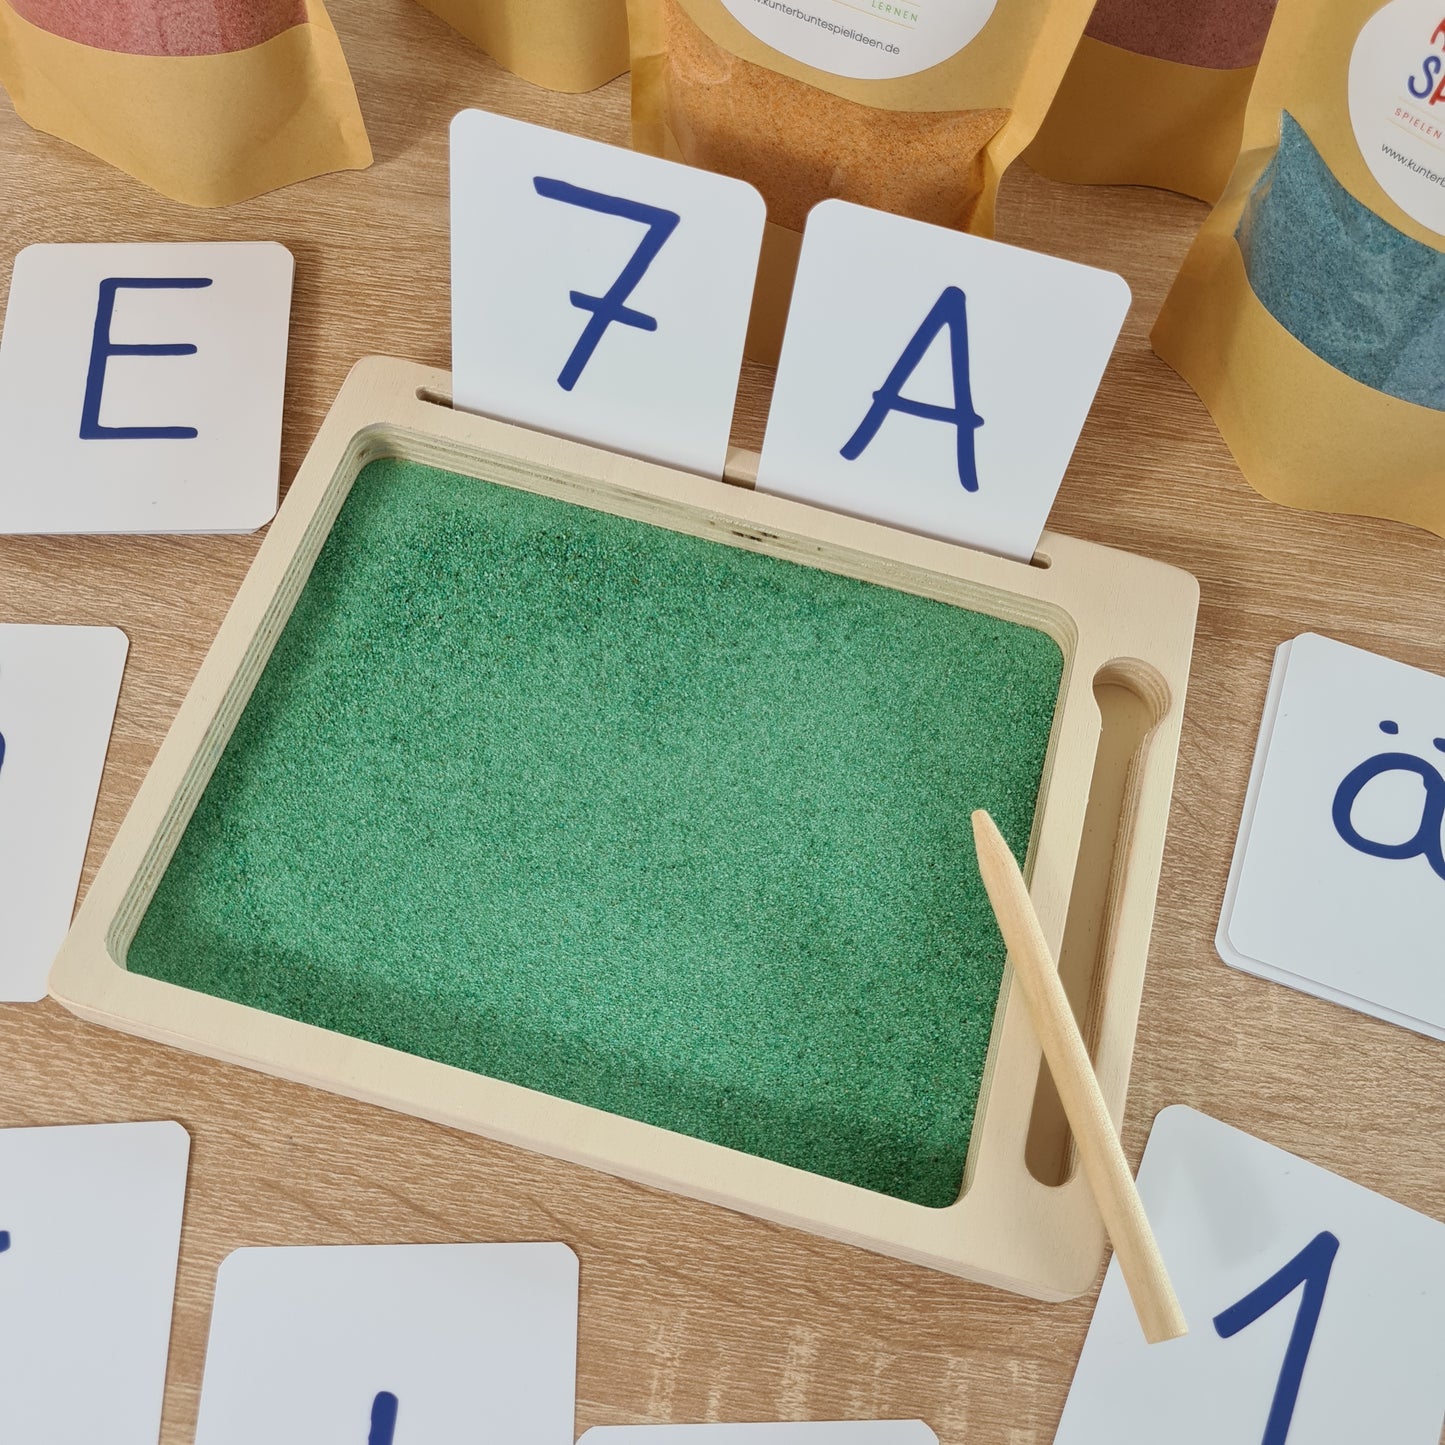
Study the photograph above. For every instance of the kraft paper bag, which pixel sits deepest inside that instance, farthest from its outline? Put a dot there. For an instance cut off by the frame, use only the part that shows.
(570, 45)
(914, 109)
(1155, 96)
(1309, 314)
(208, 101)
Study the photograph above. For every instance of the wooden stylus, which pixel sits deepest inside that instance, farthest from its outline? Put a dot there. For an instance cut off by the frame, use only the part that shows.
(1099, 1149)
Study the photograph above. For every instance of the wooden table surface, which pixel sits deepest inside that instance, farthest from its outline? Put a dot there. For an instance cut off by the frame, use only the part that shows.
(689, 1312)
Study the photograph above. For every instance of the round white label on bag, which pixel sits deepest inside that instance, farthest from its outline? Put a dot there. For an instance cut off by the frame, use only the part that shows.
(865, 39)
(1397, 105)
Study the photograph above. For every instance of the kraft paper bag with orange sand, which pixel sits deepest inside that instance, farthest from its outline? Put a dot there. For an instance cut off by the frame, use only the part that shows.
(1155, 95)
(208, 101)
(1310, 312)
(915, 109)
(570, 45)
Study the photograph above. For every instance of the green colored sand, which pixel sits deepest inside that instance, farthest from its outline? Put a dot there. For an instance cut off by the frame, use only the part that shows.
(643, 821)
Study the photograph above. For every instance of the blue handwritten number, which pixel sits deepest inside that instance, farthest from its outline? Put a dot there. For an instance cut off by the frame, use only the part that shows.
(1310, 1268)
(4, 1240)
(383, 1419)
(613, 305)
(949, 312)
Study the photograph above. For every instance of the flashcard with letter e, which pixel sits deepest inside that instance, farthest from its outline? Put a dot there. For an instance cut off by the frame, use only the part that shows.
(1338, 882)
(599, 294)
(1316, 1308)
(141, 387)
(90, 1228)
(933, 380)
(58, 691)
(390, 1344)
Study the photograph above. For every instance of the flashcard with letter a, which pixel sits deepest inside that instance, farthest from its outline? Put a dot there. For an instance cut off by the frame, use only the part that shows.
(141, 387)
(934, 380)
(58, 690)
(390, 1344)
(1316, 1308)
(1338, 881)
(599, 294)
(90, 1227)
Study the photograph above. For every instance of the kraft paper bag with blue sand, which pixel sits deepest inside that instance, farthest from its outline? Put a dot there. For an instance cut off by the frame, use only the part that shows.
(1310, 312)
(207, 101)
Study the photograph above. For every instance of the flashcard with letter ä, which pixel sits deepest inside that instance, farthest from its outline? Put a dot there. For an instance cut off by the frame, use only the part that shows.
(933, 380)
(58, 690)
(808, 1432)
(1338, 881)
(390, 1344)
(90, 1228)
(141, 387)
(1316, 1307)
(599, 294)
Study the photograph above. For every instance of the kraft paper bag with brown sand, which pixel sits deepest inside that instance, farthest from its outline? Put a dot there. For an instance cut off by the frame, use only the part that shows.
(570, 45)
(915, 109)
(1310, 312)
(208, 101)
(1155, 96)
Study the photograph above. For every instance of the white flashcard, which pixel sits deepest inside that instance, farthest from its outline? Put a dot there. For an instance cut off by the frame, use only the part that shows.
(58, 690)
(599, 294)
(141, 387)
(1338, 882)
(1316, 1308)
(392, 1345)
(934, 380)
(809, 1432)
(90, 1227)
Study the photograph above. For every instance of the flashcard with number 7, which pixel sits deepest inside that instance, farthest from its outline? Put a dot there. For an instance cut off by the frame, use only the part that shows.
(1316, 1308)
(599, 294)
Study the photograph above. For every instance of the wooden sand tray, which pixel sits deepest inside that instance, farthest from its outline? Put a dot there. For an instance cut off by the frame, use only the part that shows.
(1024, 1218)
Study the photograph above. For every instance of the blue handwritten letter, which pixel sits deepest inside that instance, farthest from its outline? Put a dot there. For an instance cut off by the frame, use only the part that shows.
(613, 306)
(1428, 839)
(951, 311)
(102, 348)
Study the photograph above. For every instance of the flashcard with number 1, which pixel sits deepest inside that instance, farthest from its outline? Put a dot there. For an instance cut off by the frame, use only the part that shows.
(1316, 1308)
(599, 294)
